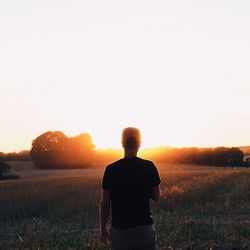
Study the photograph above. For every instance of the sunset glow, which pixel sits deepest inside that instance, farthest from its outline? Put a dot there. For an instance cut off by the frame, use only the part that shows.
(179, 71)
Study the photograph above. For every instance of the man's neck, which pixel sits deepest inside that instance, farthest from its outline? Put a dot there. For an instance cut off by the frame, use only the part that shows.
(130, 154)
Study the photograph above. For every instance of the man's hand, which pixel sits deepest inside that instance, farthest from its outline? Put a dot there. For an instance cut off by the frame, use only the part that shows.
(155, 193)
(105, 236)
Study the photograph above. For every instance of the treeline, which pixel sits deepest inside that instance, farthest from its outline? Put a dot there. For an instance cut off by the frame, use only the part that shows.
(23, 155)
(53, 149)
(219, 156)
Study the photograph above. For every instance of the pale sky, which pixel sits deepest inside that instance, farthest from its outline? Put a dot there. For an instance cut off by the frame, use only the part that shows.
(178, 70)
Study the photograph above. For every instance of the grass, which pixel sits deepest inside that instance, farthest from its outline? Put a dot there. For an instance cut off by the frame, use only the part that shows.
(200, 208)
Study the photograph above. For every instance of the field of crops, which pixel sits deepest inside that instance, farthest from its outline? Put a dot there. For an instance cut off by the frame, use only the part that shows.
(200, 208)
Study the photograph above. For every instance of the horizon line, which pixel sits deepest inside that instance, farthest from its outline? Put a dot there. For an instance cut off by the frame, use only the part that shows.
(143, 148)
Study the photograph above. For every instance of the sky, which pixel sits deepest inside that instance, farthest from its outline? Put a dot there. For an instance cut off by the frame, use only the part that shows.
(178, 70)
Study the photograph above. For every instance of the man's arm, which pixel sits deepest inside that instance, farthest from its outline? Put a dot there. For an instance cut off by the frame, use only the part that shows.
(104, 214)
(155, 193)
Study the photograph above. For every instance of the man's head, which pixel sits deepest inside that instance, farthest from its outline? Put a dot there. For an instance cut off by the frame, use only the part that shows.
(131, 138)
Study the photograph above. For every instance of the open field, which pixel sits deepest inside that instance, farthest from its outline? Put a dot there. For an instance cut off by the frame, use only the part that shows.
(200, 208)
(27, 170)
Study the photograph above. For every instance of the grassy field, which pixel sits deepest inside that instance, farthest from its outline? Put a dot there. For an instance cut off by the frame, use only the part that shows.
(200, 208)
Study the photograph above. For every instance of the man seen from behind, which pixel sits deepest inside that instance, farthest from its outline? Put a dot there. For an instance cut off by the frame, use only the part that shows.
(127, 187)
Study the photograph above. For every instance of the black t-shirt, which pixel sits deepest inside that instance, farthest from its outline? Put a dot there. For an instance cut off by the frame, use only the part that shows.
(130, 181)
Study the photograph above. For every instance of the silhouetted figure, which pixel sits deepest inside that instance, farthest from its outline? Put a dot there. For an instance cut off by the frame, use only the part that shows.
(128, 184)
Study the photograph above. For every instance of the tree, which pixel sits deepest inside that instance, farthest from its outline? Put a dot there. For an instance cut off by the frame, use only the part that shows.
(236, 157)
(56, 150)
(48, 149)
(81, 148)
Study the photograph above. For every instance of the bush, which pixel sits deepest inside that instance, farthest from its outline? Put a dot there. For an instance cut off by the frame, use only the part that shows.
(4, 169)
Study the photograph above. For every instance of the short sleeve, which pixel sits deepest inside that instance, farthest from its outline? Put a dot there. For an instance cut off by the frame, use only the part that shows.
(155, 177)
(106, 179)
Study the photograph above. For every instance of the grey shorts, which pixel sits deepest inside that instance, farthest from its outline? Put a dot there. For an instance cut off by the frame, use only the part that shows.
(136, 238)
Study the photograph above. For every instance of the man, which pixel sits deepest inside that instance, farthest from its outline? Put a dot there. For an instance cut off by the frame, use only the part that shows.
(128, 185)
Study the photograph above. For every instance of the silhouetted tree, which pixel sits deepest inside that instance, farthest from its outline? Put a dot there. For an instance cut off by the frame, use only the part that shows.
(56, 150)
(48, 149)
(235, 157)
(81, 148)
